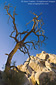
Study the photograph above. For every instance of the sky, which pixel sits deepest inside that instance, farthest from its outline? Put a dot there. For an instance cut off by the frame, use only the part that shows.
(23, 17)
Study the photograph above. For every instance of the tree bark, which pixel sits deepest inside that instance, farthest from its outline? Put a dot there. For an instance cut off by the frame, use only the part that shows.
(7, 66)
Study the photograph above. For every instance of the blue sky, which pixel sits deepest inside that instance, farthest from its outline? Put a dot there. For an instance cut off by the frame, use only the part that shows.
(23, 17)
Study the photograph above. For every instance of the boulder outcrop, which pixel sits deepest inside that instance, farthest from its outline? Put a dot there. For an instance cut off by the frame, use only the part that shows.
(40, 70)
(37, 70)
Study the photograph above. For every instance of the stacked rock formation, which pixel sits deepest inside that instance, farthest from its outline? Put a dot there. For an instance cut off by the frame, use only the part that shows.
(40, 70)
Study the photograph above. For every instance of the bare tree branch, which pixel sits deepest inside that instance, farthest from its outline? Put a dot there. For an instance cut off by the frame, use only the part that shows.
(16, 69)
(21, 43)
(13, 17)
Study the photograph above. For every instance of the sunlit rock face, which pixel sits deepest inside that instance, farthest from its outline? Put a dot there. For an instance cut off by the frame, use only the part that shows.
(40, 70)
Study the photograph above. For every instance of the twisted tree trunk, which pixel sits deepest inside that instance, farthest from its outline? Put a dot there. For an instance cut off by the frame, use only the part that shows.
(7, 66)
(20, 43)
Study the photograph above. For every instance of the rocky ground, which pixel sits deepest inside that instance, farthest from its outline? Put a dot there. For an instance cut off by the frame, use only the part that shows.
(37, 70)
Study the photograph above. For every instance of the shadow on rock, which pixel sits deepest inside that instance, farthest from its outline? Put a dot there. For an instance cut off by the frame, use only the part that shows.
(13, 78)
(47, 78)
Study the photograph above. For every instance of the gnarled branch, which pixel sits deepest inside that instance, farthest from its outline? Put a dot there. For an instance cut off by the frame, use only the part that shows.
(21, 43)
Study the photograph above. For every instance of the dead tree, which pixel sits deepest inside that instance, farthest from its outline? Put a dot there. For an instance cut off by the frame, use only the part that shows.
(22, 44)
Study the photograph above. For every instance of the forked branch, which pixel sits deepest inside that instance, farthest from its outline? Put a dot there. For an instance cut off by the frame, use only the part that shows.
(21, 43)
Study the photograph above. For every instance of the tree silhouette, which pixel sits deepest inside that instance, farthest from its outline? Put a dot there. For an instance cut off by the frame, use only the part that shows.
(21, 43)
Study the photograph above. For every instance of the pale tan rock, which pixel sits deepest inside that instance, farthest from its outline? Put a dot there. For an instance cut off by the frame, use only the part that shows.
(33, 78)
(52, 58)
(40, 68)
(19, 66)
(35, 66)
(37, 76)
(48, 65)
(43, 52)
(44, 56)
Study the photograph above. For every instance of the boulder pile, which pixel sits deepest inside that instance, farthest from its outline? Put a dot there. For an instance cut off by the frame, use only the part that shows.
(40, 69)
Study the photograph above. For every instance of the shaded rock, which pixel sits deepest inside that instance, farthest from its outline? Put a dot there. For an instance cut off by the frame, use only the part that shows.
(47, 78)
